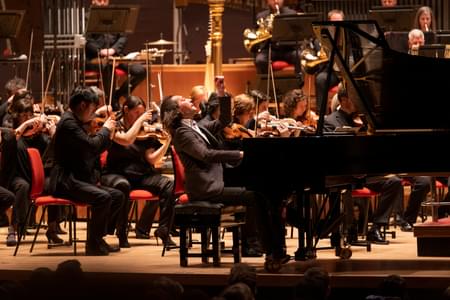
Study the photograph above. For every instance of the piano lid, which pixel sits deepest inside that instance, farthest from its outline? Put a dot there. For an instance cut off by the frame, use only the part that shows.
(395, 91)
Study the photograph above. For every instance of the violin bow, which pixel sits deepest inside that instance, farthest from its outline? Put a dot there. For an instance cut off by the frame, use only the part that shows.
(100, 63)
(29, 59)
(111, 85)
(47, 86)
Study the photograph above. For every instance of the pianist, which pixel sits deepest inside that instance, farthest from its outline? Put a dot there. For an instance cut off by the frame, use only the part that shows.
(203, 158)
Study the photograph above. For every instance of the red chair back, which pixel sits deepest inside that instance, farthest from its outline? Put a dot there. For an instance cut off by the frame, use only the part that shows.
(178, 170)
(103, 159)
(37, 173)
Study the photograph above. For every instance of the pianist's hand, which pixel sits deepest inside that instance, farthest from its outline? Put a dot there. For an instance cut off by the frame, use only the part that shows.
(241, 154)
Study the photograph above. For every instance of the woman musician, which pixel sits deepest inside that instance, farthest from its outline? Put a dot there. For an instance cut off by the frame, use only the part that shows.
(31, 132)
(130, 165)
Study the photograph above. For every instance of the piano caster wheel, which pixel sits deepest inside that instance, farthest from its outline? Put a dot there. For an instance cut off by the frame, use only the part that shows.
(345, 253)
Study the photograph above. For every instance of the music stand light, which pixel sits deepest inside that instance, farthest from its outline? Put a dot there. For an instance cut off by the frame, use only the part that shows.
(112, 19)
(10, 23)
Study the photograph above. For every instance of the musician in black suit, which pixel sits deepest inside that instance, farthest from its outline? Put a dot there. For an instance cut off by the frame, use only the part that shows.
(8, 149)
(390, 189)
(284, 53)
(74, 175)
(108, 45)
(321, 76)
(202, 158)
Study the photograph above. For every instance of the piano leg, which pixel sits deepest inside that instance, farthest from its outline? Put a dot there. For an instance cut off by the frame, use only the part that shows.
(306, 249)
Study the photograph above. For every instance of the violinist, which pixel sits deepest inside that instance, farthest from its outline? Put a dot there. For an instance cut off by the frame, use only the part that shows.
(74, 175)
(132, 159)
(11, 87)
(296, 107)
(390, 189)
(31, 132)
(8, 149)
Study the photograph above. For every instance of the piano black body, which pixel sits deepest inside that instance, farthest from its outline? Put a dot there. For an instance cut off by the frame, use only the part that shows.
(406, 102)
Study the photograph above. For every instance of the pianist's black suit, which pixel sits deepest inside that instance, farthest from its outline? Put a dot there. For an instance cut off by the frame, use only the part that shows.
(202, 159)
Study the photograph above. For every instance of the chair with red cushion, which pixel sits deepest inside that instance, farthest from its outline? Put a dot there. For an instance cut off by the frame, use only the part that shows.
(207, 218)
(135, 195)
(38, 199)
(373, 196)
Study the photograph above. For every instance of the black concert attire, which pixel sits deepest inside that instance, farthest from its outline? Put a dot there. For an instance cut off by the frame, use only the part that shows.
(21, 182)
(96, 42)
(284, 53)
(202, 158)
(128, 163)
(8, 148)
(391, 189)
(74, 176)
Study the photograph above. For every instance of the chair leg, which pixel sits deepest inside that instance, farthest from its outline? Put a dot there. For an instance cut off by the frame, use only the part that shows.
(21, 231)
(236, 244)
(215, 232)
(133, 210)
(44, 209)
(183, 247)
(204, 244)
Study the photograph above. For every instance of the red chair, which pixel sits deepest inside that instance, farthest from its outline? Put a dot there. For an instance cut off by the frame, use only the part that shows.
(367, 193)
(279, 65)
(40, 200)
(135, 195)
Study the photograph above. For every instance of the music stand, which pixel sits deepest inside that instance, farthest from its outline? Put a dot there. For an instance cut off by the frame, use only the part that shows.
(10, 23)
(433, 51)
(112, 19)
(290, 29)
(399, 18)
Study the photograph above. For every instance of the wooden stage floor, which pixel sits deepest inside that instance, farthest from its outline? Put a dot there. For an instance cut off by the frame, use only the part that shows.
(143, 261)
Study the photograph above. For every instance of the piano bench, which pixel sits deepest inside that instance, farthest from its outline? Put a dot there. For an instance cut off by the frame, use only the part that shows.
(433, 238)
(208, 218)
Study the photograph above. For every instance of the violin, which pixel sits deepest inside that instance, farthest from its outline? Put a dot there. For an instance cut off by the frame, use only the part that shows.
(152, 131)
(236, 131)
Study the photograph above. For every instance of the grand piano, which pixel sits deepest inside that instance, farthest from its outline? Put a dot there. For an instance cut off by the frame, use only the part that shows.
(405, 100)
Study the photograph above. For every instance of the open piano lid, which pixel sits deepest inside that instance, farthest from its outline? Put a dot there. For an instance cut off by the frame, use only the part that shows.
(395, 91)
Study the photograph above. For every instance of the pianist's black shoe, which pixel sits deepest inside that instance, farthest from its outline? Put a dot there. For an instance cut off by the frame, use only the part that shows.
(374, 236)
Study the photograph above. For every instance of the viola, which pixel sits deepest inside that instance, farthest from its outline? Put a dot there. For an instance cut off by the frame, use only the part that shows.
(236, 131)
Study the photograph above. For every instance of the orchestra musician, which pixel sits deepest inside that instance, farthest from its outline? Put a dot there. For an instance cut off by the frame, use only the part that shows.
(132, 159)
(12, 86)
(31, 132)
(8, 149)
(74, 173)
(296, 107)
(108, 45)
(284, 53)
(416, 38)
(390, 189)
(321, 76)
(424, 19)
(388, 3)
